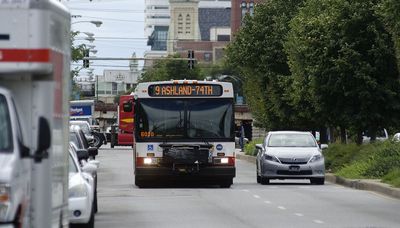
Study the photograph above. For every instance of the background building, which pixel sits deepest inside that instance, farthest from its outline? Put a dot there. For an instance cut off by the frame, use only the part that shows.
(202, 26)
(239, 9)
(157, 19)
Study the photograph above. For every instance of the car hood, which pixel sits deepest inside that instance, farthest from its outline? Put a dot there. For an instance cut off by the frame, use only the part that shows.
(7, 161)
(293, 152)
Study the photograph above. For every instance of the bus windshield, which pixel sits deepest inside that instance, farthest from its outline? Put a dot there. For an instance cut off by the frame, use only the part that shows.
(5, 126)
(185, 119)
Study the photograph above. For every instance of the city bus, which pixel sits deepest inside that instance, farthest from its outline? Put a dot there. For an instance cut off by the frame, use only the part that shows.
(184, 130)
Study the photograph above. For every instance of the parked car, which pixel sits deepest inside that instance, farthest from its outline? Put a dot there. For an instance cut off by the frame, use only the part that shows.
(80, 193)
(290, 155)
(82, 148)
(381, 135)
(85, 127)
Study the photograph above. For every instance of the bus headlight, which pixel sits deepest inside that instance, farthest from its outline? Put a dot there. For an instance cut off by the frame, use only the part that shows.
(224, 161)
(150, 161)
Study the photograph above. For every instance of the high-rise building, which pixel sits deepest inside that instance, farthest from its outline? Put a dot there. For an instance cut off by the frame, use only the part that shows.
(157, 19)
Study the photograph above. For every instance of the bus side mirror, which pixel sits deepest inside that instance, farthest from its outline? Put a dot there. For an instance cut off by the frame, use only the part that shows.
(44, 140)
(127, 107)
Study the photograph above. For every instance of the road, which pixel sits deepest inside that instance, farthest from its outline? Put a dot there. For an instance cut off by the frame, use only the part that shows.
(246, 204)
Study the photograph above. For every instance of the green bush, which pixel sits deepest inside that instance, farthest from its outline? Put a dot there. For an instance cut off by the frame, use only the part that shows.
(250, 148)
(373, 160)
(393, 177)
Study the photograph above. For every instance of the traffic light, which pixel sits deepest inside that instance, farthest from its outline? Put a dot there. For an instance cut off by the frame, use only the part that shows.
(191, 59)
(86, 61)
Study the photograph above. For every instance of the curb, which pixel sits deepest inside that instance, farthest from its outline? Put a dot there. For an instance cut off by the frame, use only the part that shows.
(368, 185)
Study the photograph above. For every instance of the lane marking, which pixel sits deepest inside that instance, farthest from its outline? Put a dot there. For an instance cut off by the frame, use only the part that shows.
(256, 196)
(245, 190)
(267, 202)
(281, 207)
(318, 221)
(299, 214)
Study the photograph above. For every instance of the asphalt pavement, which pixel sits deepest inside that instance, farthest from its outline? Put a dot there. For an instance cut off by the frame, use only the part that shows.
(293, 203)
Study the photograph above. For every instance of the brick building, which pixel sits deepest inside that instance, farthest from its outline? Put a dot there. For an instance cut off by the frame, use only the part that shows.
(239, 9)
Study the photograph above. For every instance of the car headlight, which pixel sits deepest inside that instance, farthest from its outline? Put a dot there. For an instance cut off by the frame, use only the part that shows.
(4, 201)
(316, 158)
(77, 191)
(271, 158)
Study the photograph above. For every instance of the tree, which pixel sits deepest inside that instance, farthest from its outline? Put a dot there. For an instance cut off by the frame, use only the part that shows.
(343, 52)
(167, 69)
(258, 53)
(389, 10)
(77, 53)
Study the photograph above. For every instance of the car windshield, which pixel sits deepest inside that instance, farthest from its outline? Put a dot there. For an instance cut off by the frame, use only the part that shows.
(73, 137)
(5, 126)
(187, 119)
(71, 165)
(84, 127)
(291, 140)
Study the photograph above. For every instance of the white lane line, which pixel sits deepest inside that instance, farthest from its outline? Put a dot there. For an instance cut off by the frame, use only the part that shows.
(267, 202)
(245, 190)
(256, 196)
(318, 221)
(281, 207)
(299, 214)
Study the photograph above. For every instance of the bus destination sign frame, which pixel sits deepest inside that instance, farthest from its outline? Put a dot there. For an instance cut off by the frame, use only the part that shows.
(185, 90)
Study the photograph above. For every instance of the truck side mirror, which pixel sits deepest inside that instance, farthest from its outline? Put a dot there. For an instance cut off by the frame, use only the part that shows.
(44, 140)
(127, 107)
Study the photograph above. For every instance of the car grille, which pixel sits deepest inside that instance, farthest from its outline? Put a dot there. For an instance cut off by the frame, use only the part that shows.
(294, 161)
(287, 172)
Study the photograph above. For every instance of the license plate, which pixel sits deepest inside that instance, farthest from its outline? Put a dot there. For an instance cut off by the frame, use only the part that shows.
(294, 168)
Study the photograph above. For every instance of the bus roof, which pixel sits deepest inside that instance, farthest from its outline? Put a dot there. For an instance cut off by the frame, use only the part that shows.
(184, 89)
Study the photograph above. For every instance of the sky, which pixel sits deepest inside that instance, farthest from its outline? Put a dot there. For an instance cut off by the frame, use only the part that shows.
(121, 33)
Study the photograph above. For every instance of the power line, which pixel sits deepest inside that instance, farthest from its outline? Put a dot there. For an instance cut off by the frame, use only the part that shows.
(113, 19)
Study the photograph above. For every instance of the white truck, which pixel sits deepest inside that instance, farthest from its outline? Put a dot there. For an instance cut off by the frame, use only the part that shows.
(34, 113)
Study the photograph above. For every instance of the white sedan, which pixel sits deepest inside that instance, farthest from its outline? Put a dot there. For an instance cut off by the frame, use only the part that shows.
(81, 195)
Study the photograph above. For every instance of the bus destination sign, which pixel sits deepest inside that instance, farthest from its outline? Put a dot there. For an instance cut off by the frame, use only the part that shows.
(184, 90)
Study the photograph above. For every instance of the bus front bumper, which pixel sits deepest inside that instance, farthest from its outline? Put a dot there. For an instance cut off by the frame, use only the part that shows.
(185, 172)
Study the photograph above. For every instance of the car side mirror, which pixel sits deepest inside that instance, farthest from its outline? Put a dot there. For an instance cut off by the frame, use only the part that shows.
(127, 107)
(93, 151)
(324, 146)
(82, 154)
(259, 146)
(44, 140)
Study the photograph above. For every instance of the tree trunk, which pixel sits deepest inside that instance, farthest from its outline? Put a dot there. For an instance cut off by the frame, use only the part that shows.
(343, 138)
(359, 138)
(323, 135)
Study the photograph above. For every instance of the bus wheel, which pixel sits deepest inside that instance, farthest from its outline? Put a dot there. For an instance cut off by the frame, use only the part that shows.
(226, 183)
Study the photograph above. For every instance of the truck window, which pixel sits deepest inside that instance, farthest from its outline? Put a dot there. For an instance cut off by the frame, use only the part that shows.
(5, 126)
(19, 130)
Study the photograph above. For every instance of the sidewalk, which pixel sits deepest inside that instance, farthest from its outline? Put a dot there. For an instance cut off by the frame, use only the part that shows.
(360, 184)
